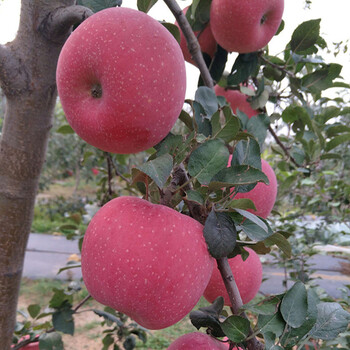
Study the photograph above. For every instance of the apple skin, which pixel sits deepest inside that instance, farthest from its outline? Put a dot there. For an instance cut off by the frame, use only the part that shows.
(237, 100)
(140, 68)
(247, 274)
(263, 196)
(197, 341)
(237, 27)
(30, 346)
(205, 39)
(145, 260)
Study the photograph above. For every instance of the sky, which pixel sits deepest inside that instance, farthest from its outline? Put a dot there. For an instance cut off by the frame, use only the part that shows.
(334, 27)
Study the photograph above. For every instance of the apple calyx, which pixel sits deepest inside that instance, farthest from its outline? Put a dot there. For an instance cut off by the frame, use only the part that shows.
(96, 91)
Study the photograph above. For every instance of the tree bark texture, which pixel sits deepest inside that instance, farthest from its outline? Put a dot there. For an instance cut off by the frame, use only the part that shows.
(27, 78)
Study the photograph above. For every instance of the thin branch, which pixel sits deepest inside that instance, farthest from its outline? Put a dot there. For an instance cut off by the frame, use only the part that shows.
(58, 24)
(192, 42)
(274, 65)
(279, 142)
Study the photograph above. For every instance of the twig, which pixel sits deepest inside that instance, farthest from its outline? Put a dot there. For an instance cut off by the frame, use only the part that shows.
(279, 142)
(117, 173)
(274, 65)
(192, 42)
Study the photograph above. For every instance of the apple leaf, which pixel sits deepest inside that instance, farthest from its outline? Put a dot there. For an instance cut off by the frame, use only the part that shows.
(207, 99)
(236, 328)
(294, 305)
(220, 234)
(158, 169)
(338, 140)
(202, 123)
(254, 230)
(244, 66)
(169, 144)
(305, 36)
(145, 5)
(63, 321)
(237, 175)
(65, 129)
(265, 307)
(225, 126)
(34, 310)
(51, 341)
(332, 319)
(207, 160)
(194, 196)
(173, 29)
(281, 242)
(271, 323)
(198, 14)
(98, 5)
(258, 126)
(242, 203)
(208, 316)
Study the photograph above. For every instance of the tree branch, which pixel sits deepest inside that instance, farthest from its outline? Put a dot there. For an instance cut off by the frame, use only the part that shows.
(57, 24)
(279, 142)
(192, 42)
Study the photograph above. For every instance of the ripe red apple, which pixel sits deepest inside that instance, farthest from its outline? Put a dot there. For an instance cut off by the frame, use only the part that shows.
(247, 274)
(263, 196)
(30, 346)
(197, 341)
(205, 39)
(121, 80)
(95, 171)
(145, 260)
(245, 26)
(237, 100)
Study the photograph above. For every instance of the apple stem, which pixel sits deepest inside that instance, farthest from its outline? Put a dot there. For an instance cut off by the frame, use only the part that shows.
(192, 42)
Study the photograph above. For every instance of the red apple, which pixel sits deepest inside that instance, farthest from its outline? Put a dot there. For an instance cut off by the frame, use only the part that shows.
(95, 171)
(145, 260)
(205, 40)
(245, 26)
(237, 100)
(247, 274)
(263, 196)
(121, 80)
(197, 341)
(30, 346)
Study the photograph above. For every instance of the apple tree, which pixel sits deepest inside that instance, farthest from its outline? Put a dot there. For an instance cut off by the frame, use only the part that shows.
(120, 78)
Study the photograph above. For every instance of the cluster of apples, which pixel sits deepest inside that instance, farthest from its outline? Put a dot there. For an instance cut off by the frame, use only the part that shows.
(121, 81)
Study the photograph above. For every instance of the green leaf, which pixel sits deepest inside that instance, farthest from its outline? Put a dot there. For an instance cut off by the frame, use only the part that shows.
(244, 66)
(271, 323)
(220, 234)
(108, 317)
(158, 169)
(305, 36)
(242, 203)
(208, 316)
(98, 5)
(247, 152)
(34, 310)
(63, 321)
(207, 99)
(253, 218)
(173, 29)
(281, 242)
(225, 126)
(332, 319)
(207, 160)
(194, 196)
(237, 175)
(254, 231)
(203, 123)
(265, 307)
(236, 328)
(169, 144)
(65, 129)
(321, 79)
(129, 343)
(294, 305)
(258, 126)
(186, 119)
(50, 341)
(336, 141)
(198, 14)
(145, 5)
(60, 299)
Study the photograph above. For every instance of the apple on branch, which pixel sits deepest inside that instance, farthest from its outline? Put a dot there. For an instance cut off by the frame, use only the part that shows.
(205, 39)
(237, 100)
(245, 26)
(247, 274)
(121, 80)
(262, 195)
(145, 260)
(198, 341)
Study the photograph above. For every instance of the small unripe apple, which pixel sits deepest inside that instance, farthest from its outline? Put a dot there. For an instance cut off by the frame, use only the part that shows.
(197, 341)
(237, 100)
(121, 80)
(145, 260)
(245, 26)
(247, 274)
(263, 196)
(205, 39)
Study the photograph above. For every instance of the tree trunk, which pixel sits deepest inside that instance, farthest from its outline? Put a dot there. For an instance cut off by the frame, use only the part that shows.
(27, 77)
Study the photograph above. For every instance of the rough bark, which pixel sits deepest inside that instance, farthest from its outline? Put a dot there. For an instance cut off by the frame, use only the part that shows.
(27, 78)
